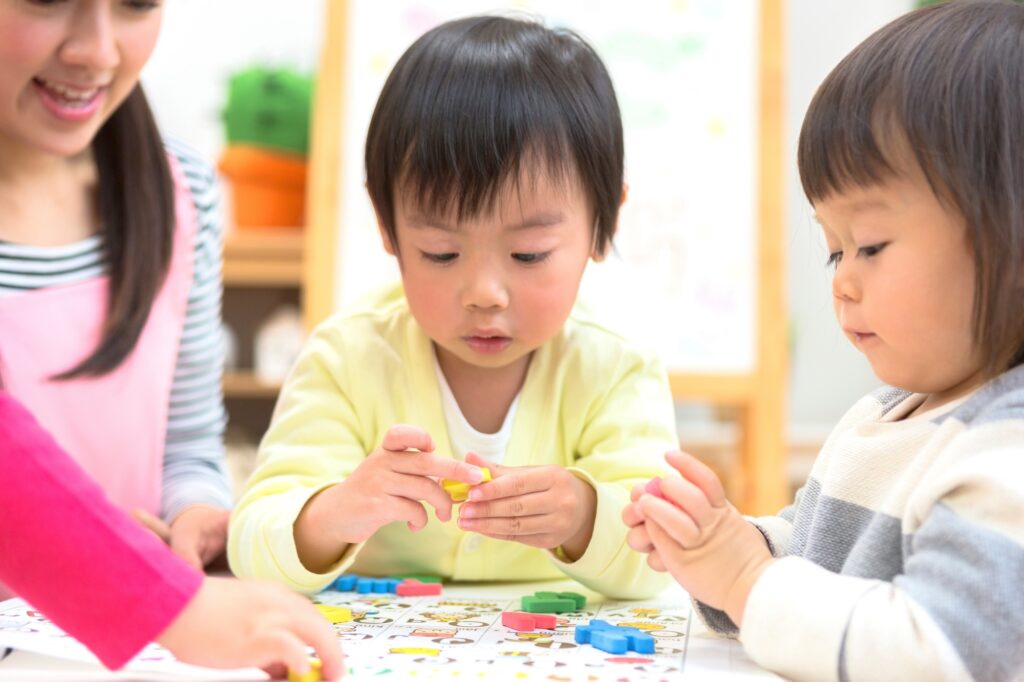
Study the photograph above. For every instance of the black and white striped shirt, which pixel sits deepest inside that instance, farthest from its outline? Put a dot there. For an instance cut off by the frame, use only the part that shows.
(193, 470)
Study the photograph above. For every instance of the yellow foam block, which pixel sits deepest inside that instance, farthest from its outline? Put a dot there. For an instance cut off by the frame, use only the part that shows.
(459, 491)
(416, 651)
(335, 614)
(312, 676)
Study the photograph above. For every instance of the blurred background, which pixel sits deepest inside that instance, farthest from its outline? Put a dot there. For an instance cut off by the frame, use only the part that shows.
(280, 93)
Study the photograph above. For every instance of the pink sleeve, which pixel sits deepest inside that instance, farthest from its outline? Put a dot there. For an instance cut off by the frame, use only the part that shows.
(66, 550)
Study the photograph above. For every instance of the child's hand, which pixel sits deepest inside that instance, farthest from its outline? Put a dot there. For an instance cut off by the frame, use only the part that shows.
(707, 546)
(240, 623)
(539, 506)
(387, 486)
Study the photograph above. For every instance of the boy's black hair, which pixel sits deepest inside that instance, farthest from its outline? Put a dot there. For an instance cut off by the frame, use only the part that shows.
(946, 84)
(476, 103)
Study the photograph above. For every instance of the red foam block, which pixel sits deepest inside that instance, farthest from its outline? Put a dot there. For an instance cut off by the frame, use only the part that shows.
(528, 622)
(414, 588)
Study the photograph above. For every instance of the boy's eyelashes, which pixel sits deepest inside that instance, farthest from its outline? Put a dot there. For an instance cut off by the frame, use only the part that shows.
(445, 258)
(134, 5)
(530, 258)
(835, 257)
(441, 258)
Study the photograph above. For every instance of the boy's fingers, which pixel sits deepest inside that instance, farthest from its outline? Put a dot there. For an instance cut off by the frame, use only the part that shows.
(699, 474)
(524, 505)
(636, 492)
(416, 488)
(512, 484)
(508, 528)
(407, 437)
(413, 513)
(436, 466)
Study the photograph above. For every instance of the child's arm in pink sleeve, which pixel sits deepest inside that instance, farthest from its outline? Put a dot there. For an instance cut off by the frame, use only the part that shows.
(70, 553)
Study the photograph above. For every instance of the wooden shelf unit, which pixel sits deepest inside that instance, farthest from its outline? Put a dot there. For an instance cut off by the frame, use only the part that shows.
(265, 257)
(245, 384)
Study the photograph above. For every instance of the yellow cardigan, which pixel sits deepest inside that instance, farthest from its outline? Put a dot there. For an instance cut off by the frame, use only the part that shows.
(590, 402)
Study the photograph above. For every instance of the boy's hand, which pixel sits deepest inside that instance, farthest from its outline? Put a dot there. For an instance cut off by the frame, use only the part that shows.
(707, 546)
(238, 623)
(539, 506)
(387, 486)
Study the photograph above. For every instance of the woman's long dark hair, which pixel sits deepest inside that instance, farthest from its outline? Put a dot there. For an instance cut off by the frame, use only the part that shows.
(136, 206)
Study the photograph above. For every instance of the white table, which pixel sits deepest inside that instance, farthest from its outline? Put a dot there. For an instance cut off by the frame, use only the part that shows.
(708, 657)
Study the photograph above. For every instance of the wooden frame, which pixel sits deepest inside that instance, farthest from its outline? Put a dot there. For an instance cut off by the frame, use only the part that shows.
(325, 169)
(759, 397)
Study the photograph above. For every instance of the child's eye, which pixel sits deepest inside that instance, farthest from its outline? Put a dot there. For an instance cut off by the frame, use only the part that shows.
(442, 258)
(872, 250)
(833, 259)
(530, 258)
(141, 5)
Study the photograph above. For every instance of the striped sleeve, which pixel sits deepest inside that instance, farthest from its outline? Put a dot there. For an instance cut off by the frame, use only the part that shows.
(194, 468)
(954, 612)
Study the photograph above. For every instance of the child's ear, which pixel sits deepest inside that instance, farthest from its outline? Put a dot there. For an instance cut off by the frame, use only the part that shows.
(598, 256)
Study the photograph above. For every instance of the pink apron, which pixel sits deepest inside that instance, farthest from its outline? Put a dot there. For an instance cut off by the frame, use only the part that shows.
(114, 425)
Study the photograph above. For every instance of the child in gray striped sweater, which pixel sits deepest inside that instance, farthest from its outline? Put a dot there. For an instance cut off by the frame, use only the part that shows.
(903, 554)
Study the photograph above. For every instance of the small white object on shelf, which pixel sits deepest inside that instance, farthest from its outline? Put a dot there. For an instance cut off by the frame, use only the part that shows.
(230, 347)
(278, 343)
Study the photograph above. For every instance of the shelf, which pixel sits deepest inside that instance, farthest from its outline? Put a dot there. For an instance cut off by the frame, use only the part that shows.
(264, 257)
(247, 385)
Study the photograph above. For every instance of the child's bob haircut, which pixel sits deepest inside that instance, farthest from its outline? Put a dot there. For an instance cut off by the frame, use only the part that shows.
(480, 104)
(942, 86)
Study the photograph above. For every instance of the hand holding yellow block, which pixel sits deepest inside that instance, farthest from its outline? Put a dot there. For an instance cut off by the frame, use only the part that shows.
(312, 676)
(459, 491)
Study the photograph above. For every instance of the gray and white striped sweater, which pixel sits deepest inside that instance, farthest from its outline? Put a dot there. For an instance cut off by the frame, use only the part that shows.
(902, 557)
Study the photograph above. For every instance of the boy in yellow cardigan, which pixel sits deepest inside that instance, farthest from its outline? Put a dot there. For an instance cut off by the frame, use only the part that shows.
(494, 162)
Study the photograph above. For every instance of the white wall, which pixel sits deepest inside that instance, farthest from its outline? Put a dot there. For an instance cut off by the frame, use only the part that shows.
(203, 41)
(828, 374)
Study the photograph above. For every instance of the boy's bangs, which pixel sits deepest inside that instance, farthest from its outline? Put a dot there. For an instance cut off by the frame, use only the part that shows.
(462, 172)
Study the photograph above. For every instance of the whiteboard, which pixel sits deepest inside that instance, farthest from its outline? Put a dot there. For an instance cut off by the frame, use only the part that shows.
(682, 279)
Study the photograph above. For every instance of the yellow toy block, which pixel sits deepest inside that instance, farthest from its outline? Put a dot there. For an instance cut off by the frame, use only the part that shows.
(458, 491)
(416, 651)
(312, 676)
(335, 614)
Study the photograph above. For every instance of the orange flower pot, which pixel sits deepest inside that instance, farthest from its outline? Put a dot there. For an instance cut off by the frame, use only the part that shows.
(268, 187)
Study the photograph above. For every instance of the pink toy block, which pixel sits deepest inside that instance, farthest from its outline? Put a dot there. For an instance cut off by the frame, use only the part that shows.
(654, 488)
(414, 588)
(528, 622)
